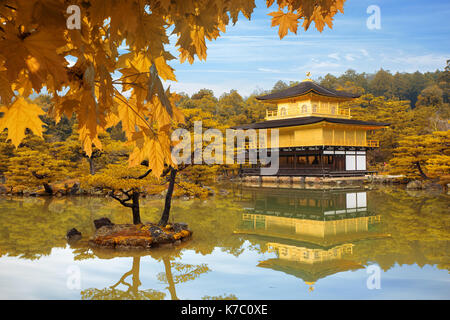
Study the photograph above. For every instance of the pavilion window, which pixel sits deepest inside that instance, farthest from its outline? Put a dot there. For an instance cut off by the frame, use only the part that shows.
(316, 160)
(327, 159)
(304, 108)
(312, 160)
(302, 160)
(314, 108)
(333, 110)
(287, 161)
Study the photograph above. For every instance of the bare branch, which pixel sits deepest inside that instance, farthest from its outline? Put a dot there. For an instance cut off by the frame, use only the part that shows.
(127, 193)
(145, 174)
(39, 176)
(187, 189)
(122, 202)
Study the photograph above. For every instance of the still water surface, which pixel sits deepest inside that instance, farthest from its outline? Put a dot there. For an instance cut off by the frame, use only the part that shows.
(254, 243)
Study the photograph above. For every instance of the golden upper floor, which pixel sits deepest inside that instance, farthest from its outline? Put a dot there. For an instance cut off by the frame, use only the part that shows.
(307, 99)
(308, 108)
(310, 115)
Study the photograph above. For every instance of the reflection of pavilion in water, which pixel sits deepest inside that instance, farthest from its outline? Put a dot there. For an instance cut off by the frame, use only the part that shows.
(312, 231)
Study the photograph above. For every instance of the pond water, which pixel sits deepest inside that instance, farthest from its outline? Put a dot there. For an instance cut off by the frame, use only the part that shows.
(254, 243)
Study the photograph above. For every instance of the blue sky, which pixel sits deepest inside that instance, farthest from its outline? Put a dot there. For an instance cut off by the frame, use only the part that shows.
(414, 35)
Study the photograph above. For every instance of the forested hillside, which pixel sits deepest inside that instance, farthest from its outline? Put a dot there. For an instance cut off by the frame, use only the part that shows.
(415, 104)
(417, 144)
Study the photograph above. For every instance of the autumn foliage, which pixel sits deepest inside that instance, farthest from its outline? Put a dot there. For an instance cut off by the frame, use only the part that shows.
(105, 85)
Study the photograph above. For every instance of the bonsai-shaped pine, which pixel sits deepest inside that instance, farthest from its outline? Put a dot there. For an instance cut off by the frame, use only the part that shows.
(112, 151)
(423, 156)
(35, 164)
(127, 183)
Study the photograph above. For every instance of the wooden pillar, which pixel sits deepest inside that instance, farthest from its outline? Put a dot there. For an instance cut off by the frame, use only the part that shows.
(321, 161)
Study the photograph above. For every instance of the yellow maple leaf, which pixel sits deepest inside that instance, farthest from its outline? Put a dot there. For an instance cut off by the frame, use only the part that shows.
(285, 21)
(21, 115)
(152, 147)
(6, 92)
(130, 116)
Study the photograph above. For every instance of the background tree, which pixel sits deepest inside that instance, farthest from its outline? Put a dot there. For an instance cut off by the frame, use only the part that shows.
(6, 152)
(425, 156)
(36, 164)
(91, 93)
(35, 45)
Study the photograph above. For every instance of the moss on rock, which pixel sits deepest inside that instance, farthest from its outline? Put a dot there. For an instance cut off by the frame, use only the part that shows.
(142, 236)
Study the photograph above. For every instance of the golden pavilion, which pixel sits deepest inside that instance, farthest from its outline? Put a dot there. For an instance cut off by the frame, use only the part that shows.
(317, 135)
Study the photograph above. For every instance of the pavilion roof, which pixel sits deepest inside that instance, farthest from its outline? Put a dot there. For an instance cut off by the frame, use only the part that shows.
(305, 87)
(291, 122)
(310, 272)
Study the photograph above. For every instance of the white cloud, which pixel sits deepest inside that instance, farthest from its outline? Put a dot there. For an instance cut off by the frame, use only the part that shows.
(421, 62)
(334, 56)
(349, 57)
(268, 70)
(243, 87)
(324, 65)
(364, 52)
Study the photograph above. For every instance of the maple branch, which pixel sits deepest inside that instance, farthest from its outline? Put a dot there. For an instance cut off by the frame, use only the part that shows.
(142, 176)
(145, 174)
(120, 97)
(132, 75)
(131, 83)
(10, 7)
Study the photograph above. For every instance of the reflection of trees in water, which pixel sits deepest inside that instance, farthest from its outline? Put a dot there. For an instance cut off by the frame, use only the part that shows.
(419, 227)
(31, 227)
(184, 272)
(418, 224)
(132, 293)
(221, 297)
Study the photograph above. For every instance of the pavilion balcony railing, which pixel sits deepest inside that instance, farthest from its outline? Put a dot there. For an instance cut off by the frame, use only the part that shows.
(368, 143)
(306, 171)
(315, 111)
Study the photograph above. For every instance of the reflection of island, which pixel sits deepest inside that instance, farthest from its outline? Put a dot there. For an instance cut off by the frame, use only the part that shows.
(312, 232)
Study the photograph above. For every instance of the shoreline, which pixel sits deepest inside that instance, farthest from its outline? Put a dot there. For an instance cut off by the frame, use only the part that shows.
(281, 182)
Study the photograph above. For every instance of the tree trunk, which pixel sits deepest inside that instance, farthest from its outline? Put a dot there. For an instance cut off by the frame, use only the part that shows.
(166, 213)
(135, 208)
(135, 277)
(422, 174)
(91, 166)
(48, 188)
(169, 276)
